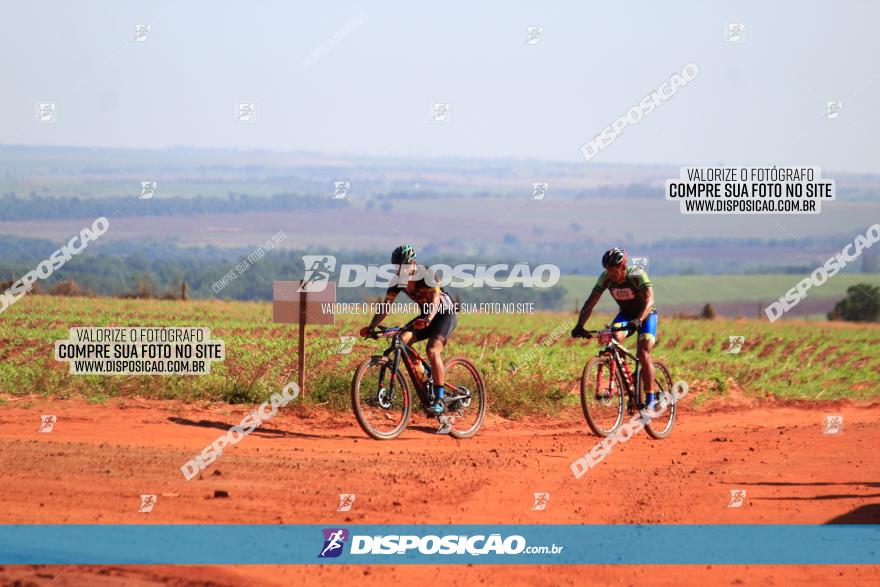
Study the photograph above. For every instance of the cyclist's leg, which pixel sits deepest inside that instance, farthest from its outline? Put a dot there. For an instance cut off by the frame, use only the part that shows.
(647, 338)
(619, 322)
(411, 337)
(434, 350)
(437, 334)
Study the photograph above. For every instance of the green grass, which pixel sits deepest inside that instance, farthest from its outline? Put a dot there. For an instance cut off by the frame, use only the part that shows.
(789, 359)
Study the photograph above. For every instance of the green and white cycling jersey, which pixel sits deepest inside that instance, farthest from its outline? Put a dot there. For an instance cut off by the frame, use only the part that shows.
(630, 294)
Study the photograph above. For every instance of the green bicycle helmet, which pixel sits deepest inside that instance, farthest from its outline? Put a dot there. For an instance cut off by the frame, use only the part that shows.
(403, 254)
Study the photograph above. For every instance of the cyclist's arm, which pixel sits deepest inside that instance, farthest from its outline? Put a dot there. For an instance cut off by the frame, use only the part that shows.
(434, 306)
(649, 303)
(390, 296)
(587, 309)
(646, 291)
(591, 302)
(433, 297)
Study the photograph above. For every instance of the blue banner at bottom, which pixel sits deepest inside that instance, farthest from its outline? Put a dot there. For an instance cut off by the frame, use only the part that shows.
(101, 544)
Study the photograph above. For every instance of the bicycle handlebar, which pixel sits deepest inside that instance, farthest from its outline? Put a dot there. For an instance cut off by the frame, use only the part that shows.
(591, 333)
(381, 330)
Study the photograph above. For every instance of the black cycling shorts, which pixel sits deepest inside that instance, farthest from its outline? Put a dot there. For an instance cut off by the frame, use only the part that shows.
(441, 327)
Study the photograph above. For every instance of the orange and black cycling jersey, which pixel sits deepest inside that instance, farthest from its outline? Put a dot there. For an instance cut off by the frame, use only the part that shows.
(423, 294)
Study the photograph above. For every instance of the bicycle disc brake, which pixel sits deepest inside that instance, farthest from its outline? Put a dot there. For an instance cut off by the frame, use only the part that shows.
(384, 398)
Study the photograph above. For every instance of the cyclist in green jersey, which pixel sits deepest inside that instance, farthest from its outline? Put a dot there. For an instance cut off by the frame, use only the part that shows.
(632, 290)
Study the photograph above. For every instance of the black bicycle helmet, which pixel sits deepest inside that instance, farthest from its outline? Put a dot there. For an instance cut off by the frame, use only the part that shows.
(403, 254)
(614, 257)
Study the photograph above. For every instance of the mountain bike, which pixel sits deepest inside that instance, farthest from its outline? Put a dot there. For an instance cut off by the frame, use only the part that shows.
(382, 400)
(607, 378)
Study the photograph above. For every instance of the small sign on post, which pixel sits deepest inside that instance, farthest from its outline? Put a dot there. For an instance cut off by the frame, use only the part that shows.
(302, 302)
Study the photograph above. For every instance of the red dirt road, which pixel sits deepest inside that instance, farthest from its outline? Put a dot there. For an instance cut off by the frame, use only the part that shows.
(99, 459)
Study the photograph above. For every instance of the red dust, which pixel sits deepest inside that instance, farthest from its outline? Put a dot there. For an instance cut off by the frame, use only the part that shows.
(98, 460)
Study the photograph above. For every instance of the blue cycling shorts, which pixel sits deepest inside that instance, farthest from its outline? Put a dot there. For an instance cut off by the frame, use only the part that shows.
(647, 330)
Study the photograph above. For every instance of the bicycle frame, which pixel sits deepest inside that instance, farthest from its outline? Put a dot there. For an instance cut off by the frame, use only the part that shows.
(613, 356)
(399, 349)
(633, 386)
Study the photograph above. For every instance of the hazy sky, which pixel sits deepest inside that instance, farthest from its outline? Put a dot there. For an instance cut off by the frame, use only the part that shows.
(761, 101)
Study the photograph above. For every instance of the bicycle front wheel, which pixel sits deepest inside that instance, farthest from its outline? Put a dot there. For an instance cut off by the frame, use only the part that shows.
(383, 410)
(465, 397)
(602, 396)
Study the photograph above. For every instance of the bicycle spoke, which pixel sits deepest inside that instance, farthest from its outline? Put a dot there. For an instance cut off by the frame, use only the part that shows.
(382, 408)
(663, 417)
(601, 396)
(465, 397)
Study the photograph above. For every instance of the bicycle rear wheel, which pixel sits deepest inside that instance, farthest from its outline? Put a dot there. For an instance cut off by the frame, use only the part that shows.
(383, 412)
(661, 425)
(465, 397)
(601, 396)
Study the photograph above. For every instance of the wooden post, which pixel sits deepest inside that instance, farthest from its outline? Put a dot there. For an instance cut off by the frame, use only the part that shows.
(290, 301)
(301, 369)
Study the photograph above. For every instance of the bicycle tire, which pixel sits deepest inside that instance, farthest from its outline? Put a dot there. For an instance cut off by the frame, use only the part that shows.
(584, 391)
(481, 392)
(653, 432)
(358, 409)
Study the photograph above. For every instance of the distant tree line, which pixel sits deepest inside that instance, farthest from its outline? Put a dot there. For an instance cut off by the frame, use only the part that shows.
(159, 269)
(37, 207)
